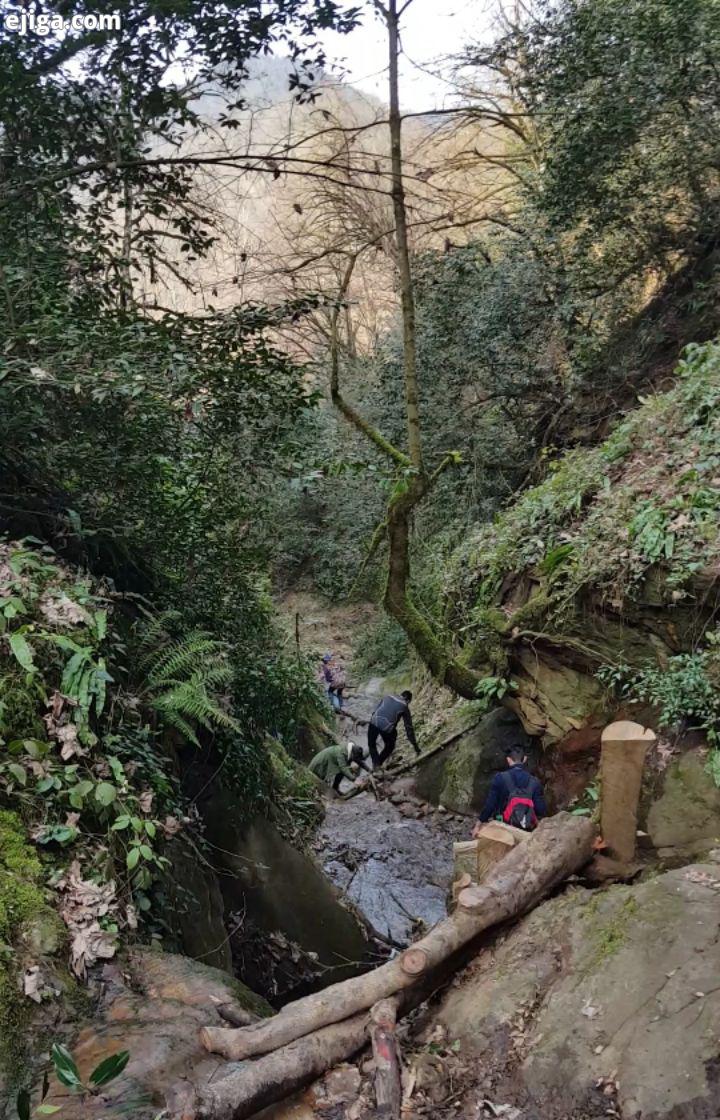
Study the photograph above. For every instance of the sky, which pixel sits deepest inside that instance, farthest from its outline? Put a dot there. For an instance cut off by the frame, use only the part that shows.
(431, 29)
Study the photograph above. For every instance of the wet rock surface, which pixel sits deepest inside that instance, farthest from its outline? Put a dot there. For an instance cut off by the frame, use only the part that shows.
(394, 861)
(387, 849)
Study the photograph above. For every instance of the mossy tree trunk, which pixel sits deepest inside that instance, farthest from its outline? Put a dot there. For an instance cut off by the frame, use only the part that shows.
(415, 480)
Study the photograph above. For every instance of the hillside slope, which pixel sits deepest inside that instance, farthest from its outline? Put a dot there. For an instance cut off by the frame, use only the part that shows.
(614, 561)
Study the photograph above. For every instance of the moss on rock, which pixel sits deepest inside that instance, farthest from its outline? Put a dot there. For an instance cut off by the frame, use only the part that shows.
(460, 777)
(21, 904)
(688, 811)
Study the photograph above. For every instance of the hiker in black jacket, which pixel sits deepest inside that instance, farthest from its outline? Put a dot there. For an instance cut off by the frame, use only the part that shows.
(515, 795)
(383, 725)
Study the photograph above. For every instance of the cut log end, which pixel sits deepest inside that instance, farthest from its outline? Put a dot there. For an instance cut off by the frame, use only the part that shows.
(223, 1041)
(414, 961)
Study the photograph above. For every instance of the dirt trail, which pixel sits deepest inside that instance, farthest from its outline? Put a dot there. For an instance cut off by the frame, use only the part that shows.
(387, 850)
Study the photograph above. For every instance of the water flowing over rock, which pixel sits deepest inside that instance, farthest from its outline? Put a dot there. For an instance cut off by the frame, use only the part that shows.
(395, 869)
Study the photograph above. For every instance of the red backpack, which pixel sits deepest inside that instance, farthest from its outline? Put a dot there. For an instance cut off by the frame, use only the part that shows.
(520, 809)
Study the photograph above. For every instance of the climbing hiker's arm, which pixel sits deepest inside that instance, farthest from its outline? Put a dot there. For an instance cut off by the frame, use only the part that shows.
(410, 730)
(342, 763)
(494, 800)
(539, 801)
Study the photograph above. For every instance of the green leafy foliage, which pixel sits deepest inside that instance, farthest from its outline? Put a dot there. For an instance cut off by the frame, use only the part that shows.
(109, 1069)
(590, 529)
(185, 679)
(685, 692)
(628, 93)
(491, 690)
(67, 1072)
(142, 444)
(81, 748)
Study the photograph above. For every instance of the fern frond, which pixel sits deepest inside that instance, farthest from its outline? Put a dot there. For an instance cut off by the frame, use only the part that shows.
(175, 720)
(183, 656)
(185, 679)
(155, 634)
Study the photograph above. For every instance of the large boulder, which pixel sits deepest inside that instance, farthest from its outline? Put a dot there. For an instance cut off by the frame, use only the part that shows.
(459, 777)
(602, 1000)
(153, 1006)
(686, 817)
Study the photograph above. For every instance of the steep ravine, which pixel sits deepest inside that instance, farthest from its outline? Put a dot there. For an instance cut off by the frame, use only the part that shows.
(391, 853)
(558, 1017)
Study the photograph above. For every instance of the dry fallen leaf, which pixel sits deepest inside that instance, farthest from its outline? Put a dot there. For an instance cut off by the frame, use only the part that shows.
(82, 905)
(31, 983)
(61, 610)
(67, 736)
(145, 801)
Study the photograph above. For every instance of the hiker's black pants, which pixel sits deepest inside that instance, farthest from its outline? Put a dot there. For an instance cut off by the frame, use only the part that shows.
(389, 739)
(337, 782)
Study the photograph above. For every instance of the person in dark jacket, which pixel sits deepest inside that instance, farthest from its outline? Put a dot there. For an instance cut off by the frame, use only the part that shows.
(383, 725)
(514, 791)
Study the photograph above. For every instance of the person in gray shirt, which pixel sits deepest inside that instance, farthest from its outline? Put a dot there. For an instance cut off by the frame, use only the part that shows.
(383, 725)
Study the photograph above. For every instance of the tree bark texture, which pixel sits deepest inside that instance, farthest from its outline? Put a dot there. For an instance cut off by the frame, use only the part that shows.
(397, 601)
(555, 850)
(251, 1086)
(622, 759)
(407, 295)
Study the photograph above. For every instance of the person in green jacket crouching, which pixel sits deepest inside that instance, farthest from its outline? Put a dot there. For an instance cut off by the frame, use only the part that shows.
(332, 764)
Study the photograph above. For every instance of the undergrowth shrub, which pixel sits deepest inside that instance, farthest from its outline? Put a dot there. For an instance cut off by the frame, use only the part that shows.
(685, 692)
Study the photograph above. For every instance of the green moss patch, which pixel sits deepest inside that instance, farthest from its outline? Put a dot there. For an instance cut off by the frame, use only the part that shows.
(609, 934)
(21, 901)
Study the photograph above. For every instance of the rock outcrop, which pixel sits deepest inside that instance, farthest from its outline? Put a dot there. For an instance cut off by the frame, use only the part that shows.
(685, 819)
(614, 560)
(459, 777)
(602, 1000)
(154, 1005)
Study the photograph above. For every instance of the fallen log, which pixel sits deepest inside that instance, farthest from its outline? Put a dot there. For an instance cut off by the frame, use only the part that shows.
(388, 1085)
(420, 758)
(238, 1016)
(247, 1088)
(559, 847)
(251, 1086)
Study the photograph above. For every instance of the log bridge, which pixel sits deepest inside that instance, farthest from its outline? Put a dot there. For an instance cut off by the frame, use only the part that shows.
(282, 1054)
